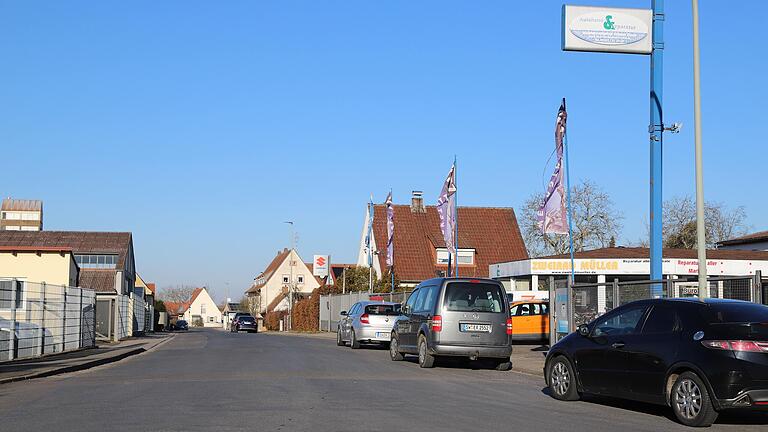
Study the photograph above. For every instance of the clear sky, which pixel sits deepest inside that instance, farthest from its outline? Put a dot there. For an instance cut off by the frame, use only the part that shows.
(201, 126)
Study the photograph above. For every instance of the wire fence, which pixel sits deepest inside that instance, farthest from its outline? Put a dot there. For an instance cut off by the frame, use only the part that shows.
(331, 305)
(37, 319)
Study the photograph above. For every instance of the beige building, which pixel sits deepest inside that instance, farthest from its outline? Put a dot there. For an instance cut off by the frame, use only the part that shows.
(50, 265)
(201, 309)
(270, 288)
(21, 215)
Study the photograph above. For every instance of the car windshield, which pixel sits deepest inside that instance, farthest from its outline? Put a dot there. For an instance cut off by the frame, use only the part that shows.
(473, 297)
(246, 318)
(737, 312)
(381, 309)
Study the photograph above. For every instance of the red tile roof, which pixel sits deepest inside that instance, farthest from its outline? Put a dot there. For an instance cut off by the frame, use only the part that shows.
(491, 231)
(636, 252)
(267, 273)
(755, 237)
(195, 293)
(81, 242)
(99, 280)
(152, 288)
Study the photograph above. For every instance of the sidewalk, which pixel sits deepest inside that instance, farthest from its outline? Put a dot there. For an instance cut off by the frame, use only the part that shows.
(55, 364)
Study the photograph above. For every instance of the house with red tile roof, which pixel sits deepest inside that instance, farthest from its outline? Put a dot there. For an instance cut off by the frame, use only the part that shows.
(199, 310)
(754, 241)
(485, 235)
(271, 286)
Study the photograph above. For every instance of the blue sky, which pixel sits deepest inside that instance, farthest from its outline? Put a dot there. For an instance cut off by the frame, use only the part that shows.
(202, 126)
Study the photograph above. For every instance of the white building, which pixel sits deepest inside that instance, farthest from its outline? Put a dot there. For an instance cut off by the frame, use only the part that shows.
(202, 308)
(270, 288)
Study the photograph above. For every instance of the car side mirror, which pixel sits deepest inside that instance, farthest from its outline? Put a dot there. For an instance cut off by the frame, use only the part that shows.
(343, 313)
(405, 309)
(583, 330)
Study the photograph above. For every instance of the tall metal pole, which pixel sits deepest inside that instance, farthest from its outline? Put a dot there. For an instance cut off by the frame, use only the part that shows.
(370, 245)
(568, 198)
(656, 130)
(700, 227)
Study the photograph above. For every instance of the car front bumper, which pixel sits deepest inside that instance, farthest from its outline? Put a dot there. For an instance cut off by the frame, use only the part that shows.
(472, 351)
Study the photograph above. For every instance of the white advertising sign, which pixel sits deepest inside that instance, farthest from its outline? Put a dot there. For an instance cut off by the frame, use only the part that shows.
(618, 30)
(320, 266)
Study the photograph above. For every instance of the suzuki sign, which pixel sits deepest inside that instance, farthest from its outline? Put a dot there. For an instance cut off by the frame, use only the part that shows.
(320, 265)
(617, 30)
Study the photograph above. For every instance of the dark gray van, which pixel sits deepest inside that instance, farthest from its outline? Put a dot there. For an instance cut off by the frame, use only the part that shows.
(458, 317)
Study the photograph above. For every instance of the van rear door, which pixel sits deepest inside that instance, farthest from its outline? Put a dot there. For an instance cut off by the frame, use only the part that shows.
(474, 313)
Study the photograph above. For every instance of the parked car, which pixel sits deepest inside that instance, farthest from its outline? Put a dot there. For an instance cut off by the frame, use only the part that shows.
(697, 356)
(243, 321)
(456, 317)
(182, 325)
(366, 322)
(530, 320)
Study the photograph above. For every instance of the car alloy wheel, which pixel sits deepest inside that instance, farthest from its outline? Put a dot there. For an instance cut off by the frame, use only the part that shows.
(426, 360)
(688, 399)
(560, 379)
(394, 350)
(339, 340)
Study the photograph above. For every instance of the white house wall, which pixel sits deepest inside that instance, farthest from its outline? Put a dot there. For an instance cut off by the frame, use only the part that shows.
(212, 315)
(274, 285)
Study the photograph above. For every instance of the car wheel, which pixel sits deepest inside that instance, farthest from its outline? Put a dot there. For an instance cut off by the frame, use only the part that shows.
(394, 350)
(339, 341)
(426, 360)
(503, 365)
(690, 401)
(562, 380)
(353, 342)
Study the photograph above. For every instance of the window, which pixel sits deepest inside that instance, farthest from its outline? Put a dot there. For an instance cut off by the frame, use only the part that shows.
(300, 279)
(286, 279)
(12, 228)
(7, 288)
(474, 297)
(211, 319)
(661, 320)
(12, 215)
(466, 256)
(202, 309)
(622, 323)
(412, 300)
(426, 301)
(29, 228)
(381, 309)
(30, 216)
(97, 261)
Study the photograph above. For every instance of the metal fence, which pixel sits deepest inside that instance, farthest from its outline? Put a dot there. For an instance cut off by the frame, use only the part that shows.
(331, 305)
(588, 301)
(38, 319)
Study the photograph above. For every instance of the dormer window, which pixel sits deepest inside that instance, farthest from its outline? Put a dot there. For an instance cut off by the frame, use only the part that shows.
(466, 256)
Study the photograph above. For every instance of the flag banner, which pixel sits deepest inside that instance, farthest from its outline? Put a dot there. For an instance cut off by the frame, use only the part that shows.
(390, 231)
(551, 217)
(446, 207)
(368, 242)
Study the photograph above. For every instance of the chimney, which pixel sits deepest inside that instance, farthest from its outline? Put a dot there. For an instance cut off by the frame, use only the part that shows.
(417, 202)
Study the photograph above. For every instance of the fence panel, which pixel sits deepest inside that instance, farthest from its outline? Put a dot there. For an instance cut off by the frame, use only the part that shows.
(331, 305)
(38, 319)
(124, 320)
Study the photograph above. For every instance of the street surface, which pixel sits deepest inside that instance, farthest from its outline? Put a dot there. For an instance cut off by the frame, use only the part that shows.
(211, 380)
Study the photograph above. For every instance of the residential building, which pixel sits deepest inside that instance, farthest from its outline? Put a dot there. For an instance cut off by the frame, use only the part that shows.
(42, 264)
(199, 310)
(486, 235)
(21, 215)
(270, 287)
(533, 277)
(228, 313)
(754, 241)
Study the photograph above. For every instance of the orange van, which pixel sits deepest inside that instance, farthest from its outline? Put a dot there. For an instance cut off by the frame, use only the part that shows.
(530, 320)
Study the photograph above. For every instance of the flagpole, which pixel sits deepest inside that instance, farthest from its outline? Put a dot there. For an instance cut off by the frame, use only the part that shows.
(370, 246)
(392, 266)
(568, 195)
(456, 219)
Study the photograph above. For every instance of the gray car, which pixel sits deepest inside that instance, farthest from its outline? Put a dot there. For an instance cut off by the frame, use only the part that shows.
(454, 317)
(366, 322)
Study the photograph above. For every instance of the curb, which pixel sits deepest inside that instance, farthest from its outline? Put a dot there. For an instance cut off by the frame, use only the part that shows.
(83, 366)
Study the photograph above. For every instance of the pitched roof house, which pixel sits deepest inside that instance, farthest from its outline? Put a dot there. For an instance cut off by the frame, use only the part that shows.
(486, 235)
(755, 241)
(270, 287)
(199, 309)
(105, 259)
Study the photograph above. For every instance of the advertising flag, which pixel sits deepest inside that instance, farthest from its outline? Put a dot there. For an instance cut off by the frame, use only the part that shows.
(446, 207)
(551, 217)
(390, 231)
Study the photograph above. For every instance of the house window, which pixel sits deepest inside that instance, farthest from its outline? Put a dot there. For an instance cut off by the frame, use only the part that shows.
(286, 279)
(211, 319)
(466, 256)
(300, 279)
(96, 261)
(202, 309)
(7, 288)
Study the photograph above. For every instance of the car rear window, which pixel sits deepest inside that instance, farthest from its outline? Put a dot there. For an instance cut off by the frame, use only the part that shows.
(381, 309)
(736, 312)
(473, 297)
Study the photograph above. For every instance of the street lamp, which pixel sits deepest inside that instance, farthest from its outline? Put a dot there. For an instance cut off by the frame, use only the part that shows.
(701, 240)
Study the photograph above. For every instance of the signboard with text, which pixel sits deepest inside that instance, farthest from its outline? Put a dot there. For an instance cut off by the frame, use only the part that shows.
(601, 29)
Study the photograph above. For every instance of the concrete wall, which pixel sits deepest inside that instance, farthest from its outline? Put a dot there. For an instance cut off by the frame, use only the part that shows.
(50, 267)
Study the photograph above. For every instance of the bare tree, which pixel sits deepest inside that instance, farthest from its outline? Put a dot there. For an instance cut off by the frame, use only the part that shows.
(177, 294)
(596, 223)
(679, 223)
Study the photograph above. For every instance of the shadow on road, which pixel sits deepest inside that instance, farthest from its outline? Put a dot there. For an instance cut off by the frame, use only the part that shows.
(729, 417)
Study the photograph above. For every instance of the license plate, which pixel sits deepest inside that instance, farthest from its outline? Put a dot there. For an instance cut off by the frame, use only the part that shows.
(479, 328)
(382, 334)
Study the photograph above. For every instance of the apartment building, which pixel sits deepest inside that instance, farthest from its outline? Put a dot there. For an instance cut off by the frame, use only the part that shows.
(21, 215)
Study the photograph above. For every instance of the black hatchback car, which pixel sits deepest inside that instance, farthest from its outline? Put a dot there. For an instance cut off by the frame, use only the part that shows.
(697, 356)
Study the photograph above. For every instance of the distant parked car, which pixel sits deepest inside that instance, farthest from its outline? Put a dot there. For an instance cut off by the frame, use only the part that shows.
(530, 320)
(457, 317)
(697, 356)
(243, 321)
(182, 325)
(366, 322)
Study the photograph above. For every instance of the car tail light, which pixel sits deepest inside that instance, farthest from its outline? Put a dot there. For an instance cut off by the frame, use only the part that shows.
(736, 345)
(509, 326)
(437, 323)
(364, 319)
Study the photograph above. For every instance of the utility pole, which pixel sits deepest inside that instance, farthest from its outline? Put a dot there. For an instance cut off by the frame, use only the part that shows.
(701, 239)
(656, 130)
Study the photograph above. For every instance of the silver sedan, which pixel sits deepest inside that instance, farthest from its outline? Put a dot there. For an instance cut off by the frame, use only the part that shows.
(367, 322)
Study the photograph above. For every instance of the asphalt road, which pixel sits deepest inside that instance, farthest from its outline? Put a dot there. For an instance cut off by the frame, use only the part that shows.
(210, 380)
